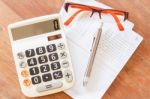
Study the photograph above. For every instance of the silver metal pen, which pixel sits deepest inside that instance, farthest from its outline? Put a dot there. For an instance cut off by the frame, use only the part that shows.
(92, 55)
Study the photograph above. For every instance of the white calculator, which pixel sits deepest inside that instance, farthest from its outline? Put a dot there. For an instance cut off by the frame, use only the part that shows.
(41, 55)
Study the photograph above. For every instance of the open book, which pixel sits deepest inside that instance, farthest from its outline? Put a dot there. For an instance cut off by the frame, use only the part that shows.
(114, 50)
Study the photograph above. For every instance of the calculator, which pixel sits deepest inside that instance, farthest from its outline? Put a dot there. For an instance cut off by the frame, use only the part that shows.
(41, 55)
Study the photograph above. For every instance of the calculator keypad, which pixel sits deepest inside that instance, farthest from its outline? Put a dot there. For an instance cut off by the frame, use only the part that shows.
(63, 54)
(34, 71)
(45, 64)
(20, 55)
(40, 50)
(68, 75)
(42, 59)
(30, 53)
(55, 65)
(61, 46)
(26, 82)
(47, 77)
(24, 73)
(22, 64)
(53, 57)
(45, 68)
(50, 86)
(32, 62)
(65, 64)
(57, 75)
(36, 80)
(51, 48)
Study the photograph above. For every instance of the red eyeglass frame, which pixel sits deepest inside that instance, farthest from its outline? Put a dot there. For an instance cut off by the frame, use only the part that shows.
(82, 8)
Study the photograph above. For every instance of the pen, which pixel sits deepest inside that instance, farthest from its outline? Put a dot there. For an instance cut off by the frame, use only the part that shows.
(96, 40)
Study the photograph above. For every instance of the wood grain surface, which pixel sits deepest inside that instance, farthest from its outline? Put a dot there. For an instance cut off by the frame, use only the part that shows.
(133, 82)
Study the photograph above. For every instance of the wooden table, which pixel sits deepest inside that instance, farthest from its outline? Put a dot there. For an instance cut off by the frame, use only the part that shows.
(132, 82)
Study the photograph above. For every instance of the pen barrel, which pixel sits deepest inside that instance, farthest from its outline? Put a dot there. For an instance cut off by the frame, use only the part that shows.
(93, 53)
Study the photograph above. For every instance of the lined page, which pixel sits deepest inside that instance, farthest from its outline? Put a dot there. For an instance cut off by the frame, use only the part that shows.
(113, 52)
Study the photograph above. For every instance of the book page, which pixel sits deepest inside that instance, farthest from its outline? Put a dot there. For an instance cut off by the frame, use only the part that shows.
(114, 50)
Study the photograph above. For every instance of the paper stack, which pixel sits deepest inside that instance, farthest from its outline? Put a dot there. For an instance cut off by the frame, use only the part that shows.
(114, 50)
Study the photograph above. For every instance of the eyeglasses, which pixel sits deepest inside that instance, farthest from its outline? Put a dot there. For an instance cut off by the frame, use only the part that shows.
(93, 9)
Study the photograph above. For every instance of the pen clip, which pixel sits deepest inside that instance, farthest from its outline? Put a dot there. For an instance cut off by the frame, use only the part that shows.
(95, 37)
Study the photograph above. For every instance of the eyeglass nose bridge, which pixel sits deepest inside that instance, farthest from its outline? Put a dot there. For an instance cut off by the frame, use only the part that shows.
(94, 11)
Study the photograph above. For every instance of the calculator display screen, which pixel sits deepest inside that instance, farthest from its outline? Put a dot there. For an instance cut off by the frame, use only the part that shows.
(35, 29)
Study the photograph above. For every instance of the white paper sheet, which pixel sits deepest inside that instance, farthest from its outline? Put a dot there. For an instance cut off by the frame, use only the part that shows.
(114, 50)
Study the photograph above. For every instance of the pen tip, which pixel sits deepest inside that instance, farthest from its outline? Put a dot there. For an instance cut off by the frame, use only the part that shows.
(85, 81)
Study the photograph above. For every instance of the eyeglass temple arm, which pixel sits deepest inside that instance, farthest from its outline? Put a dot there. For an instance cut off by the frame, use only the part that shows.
(67, 22)
(66, 6)
(121, 28)
(125, 14)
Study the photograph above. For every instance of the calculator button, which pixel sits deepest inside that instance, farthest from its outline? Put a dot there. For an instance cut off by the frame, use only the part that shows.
(51, 48)
(30, 53)
(55, 65)
(45, 68)
(24, 73)
(42, 59)
(68, 75)
(34, 71)
(26, 82)
(22, 64)
(53, 56)
(40, 50)
(63, 54)
(61, 46)
(51, 86)
(32, 62)
(36, 80)
(47, 77)
(57, 75)
(20, 55)
(65, 64)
